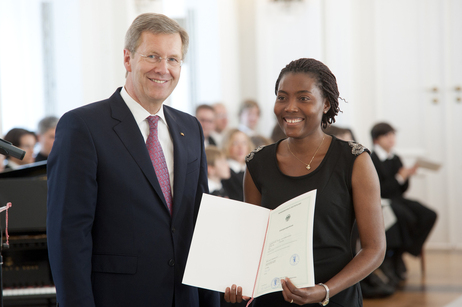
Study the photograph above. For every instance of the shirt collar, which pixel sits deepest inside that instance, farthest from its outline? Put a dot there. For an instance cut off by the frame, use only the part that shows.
(213, 185)
(139, 113)
(382, 154)
(236, 166)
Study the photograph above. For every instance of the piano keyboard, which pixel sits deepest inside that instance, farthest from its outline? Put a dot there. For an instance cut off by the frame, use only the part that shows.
(29, 291)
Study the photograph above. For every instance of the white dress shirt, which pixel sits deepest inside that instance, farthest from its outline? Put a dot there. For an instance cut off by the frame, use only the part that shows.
(236, 166)
(382, 154)
(214, 185)
(141, 114)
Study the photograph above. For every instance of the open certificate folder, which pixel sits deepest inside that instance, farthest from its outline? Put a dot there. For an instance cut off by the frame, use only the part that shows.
(251, 246)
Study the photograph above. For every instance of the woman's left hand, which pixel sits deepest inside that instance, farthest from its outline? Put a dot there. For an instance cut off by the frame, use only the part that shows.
(301, 296)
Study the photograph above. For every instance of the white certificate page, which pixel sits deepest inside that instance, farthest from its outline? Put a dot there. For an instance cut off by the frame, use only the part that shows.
(226, 245)
(288, 249)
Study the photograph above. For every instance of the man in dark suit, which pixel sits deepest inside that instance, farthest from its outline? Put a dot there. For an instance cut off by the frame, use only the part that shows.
(414, 220)
(205, 114)
(125, 179)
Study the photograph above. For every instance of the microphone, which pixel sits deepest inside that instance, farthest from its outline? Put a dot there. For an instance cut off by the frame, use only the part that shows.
(7, 149)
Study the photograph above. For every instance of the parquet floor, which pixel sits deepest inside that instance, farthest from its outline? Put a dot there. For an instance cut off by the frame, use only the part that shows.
(440, 287)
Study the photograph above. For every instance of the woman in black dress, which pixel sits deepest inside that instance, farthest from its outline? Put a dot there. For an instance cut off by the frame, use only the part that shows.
(345, 179)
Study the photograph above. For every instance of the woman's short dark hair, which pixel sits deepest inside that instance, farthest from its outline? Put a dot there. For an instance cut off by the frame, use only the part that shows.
(325, 80)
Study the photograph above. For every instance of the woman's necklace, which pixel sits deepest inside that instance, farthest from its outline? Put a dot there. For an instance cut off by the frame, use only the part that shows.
(308, 166)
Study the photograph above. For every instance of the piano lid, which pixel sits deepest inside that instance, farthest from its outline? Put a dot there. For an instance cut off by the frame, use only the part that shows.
(27, 170)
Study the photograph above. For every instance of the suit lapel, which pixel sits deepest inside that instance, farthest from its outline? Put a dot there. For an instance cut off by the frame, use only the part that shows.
(129, 133)
(179, 157)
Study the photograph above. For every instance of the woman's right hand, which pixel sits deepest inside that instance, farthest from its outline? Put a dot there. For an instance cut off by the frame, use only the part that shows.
(233, 294)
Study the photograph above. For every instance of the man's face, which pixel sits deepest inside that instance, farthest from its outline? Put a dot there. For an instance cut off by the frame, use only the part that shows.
(222, 168)
(207, 119)
(221, 118)
(46, 141)
(151, 83)
(250, 117)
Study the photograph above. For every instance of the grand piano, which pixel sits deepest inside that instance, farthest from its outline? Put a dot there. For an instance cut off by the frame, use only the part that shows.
(26, 271)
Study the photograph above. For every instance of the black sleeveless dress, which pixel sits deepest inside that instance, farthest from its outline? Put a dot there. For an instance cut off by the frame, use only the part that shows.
(334, 213)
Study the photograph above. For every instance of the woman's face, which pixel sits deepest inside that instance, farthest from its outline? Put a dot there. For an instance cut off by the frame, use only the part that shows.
(222, 168)
(239, 147)
(26, 143)
(299, 105)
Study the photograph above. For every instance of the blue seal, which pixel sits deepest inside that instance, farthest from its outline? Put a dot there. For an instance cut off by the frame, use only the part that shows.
(294, 259)
(275, 283)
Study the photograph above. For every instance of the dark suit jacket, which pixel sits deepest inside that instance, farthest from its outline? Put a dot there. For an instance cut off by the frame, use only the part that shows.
(387, 170)
(111, 239)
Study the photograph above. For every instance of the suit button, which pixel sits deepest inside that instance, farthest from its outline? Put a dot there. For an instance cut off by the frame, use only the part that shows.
(173, 229)
(171, 262)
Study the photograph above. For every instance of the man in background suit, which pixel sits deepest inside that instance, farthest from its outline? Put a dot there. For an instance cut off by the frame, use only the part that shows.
(125, 179)
(205, 114)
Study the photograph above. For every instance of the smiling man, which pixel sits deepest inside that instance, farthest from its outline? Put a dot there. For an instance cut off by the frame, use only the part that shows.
(125, 180)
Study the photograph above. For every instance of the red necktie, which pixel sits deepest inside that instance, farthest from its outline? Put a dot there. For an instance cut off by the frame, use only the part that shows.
(158, 160)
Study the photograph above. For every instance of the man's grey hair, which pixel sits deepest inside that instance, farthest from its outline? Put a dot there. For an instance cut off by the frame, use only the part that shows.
(47, 123)
(156, 24)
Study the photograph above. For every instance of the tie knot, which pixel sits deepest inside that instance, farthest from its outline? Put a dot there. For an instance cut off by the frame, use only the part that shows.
(153, 120)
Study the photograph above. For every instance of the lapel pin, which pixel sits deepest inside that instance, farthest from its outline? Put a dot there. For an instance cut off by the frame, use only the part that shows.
(182, 134)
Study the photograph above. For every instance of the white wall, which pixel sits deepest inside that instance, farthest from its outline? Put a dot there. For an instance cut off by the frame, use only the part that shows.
(284, 33)
(68, 56)
(103, 24)
(21, 64)
(230, 76)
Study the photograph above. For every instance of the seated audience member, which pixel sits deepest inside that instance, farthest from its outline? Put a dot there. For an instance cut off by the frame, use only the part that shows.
(205, 114)
(277, 134)
(249, 115)
(221, 123)
(415, 221)
(2, 163)
(372, 286)
(46, 137)
(217, 170)
(236, 145)
(25, 140)
(344, 134)
(260, 140)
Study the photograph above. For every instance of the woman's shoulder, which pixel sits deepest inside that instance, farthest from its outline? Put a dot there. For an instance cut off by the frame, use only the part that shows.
(352, 147)
(357, 149)
(260, 151)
